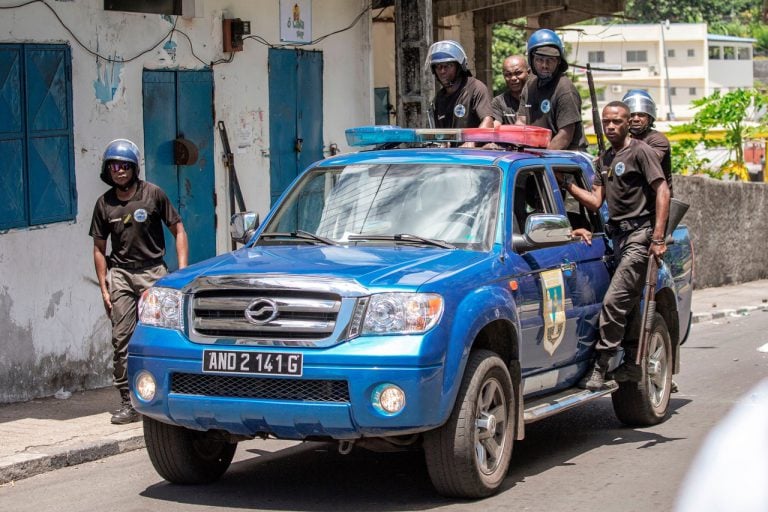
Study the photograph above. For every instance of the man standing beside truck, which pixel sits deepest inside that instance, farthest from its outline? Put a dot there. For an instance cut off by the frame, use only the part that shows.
(130, 215)
(629, 178)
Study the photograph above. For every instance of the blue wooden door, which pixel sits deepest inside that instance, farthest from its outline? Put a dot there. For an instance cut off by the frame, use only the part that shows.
(296, 115)
(180, 104)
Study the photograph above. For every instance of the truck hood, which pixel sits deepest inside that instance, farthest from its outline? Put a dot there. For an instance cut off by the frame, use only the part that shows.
(372, 267)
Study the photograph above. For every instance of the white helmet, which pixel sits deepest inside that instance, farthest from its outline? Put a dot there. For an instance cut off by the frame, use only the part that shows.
(447, 51)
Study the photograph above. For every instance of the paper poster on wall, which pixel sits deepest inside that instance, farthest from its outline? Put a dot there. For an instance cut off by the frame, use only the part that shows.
(296, 21)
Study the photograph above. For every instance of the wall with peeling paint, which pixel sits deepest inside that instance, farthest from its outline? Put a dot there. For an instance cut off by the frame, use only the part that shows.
(53, 331)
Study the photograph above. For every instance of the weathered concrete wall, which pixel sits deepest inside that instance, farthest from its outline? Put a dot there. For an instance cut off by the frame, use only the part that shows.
(53, 330)
(728, 222)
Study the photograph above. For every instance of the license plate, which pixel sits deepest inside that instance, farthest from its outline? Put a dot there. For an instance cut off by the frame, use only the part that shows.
(252, 363)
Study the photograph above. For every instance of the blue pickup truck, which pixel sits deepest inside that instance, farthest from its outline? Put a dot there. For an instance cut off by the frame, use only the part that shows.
(413, 296)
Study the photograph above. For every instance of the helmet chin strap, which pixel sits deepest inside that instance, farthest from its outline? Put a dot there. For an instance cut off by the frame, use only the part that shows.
(127, 186)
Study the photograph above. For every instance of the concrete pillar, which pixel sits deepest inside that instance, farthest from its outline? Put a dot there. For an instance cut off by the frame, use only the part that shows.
(413, 37)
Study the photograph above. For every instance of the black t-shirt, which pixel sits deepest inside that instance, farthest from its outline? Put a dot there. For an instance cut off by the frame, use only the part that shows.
(627, 176)
(554, 105)
(660, 145)
(134, 227)
(465, 108)
(504, 108)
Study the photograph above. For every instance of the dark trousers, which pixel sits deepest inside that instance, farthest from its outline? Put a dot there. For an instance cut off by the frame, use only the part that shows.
(125, 289)
(626, 287)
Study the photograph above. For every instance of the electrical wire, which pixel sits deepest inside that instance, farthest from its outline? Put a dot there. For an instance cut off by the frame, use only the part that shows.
(86, 48)
(354, 22)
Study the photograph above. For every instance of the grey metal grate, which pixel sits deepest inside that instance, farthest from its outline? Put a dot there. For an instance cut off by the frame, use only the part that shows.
(257, 387)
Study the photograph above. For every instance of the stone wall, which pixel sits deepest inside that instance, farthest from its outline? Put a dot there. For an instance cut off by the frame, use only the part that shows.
(728, 222)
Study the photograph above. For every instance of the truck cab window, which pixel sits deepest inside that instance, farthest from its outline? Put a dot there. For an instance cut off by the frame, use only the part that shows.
(578, 215)
(531, 197)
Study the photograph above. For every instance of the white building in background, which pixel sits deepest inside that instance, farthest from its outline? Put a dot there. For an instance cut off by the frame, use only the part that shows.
(676, 63)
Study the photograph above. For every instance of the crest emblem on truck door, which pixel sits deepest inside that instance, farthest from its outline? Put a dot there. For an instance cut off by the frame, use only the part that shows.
(553, 309)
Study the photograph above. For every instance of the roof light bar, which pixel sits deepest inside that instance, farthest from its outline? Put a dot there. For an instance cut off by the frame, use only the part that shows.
(375, 135)
(531, 136)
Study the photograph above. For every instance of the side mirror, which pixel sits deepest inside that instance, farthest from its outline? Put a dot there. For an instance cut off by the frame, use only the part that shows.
(543, 230)
(242, 225)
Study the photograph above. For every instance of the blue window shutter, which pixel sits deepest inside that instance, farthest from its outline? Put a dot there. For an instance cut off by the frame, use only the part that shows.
(12, 189)
(51, 180)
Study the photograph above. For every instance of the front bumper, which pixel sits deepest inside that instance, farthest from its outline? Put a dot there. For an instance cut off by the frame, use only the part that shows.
(332, 399)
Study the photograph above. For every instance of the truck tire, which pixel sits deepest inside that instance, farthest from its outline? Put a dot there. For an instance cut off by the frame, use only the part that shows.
(645, 403)
(469, 455)
(184, 456)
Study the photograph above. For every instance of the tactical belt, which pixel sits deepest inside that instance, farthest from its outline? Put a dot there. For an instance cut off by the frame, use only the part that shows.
(616, 228)
(137, 265)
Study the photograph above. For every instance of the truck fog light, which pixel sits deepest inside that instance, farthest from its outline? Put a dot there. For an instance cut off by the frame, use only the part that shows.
(145, 386)
(388, 399)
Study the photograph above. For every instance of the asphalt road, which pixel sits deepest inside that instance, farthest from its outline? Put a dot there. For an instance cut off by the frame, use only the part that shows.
(582, 460)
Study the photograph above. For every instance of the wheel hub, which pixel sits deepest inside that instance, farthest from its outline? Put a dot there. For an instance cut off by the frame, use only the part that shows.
(487, 422)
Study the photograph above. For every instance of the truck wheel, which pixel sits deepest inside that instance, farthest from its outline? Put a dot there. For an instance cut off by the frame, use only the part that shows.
(645, 403)
(469, 455)
(184, 456)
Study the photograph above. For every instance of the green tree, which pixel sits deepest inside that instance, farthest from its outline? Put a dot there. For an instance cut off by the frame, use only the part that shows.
(712, 12)
(730, 112)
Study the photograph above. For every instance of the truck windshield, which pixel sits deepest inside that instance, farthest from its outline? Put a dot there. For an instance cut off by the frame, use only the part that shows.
(455, 204)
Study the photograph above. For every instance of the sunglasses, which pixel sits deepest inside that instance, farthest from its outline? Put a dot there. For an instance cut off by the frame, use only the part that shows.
(116, 166)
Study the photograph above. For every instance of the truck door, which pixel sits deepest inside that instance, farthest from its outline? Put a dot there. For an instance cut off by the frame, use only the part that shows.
(593, 262)
(550, 288)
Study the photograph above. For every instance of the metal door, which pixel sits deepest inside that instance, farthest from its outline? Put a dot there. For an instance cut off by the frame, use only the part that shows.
(179, 104)
(296, 115)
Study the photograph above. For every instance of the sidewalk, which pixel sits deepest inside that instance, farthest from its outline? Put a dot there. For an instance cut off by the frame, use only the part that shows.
(49, 433)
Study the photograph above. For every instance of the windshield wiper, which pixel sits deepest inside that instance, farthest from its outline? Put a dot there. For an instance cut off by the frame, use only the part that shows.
(300, 234)
(403, 237)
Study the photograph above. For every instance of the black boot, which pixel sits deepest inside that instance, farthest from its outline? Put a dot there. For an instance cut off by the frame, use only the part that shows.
(596, 378)
(126, 414)
(629, 371)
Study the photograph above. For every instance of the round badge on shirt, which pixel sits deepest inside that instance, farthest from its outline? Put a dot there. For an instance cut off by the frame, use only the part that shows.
(140, 215)
(546, 106)
(459, 110)
(619, 168)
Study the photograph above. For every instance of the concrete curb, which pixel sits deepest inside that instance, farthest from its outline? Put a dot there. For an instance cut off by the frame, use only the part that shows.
(722, 313)
(20, 466)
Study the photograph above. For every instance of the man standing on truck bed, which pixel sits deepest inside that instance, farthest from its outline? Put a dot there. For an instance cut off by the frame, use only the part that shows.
(131, 215)
(505, 106)
(463, 101)
(550, 100)
(642, 115)
(629, 178)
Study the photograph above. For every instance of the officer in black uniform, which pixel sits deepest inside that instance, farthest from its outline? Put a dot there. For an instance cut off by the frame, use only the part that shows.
(630, 179)
(131, 215)
(462, 101)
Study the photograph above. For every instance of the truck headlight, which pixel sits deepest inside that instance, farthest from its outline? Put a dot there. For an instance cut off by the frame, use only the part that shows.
(161, 307)
(402, 313)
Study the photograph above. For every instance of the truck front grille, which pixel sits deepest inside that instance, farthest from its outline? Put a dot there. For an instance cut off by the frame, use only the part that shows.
(264, 388)
(303, 316)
